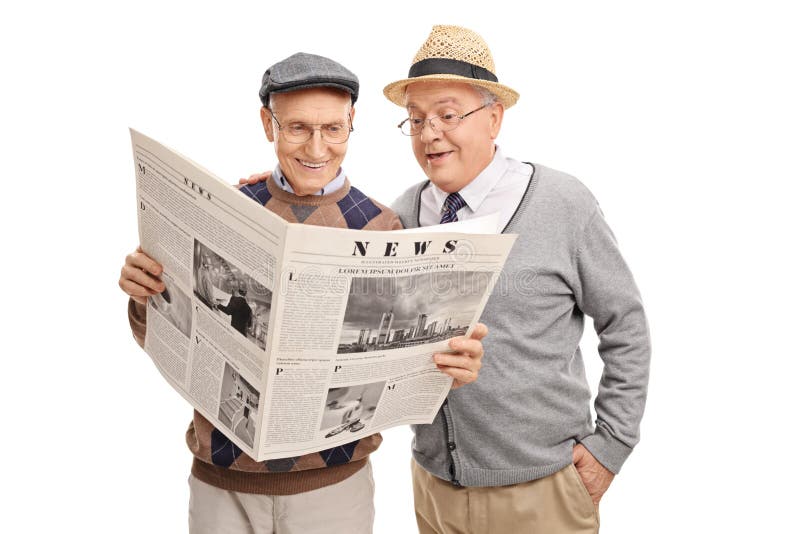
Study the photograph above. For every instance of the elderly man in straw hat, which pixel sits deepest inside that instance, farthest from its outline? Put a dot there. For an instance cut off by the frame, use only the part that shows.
(517, 451)
(307, 112)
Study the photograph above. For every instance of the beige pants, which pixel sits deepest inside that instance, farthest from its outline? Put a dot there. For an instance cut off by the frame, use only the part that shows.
(556, 504)
(344, 507)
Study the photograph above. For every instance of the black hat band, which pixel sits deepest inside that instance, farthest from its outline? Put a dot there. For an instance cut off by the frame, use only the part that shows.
(438, 65)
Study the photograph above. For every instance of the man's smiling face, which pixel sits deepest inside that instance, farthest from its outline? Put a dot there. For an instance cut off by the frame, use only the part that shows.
(308, 166)
(454, 158)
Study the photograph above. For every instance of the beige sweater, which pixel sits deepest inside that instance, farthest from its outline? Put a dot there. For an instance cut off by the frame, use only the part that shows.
(217, 460)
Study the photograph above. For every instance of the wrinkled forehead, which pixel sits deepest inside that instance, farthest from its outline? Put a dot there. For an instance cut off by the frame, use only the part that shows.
(425, 95)
(314, 102)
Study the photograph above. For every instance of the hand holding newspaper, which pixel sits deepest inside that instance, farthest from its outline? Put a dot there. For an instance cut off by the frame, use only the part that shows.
(293, 338)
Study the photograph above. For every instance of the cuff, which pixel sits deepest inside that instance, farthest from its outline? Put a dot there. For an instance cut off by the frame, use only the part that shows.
(607, 449)
(137, 317)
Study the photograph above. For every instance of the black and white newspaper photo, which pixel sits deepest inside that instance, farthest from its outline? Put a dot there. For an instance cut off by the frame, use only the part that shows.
(226, 290)
(238, 404)
(385, 313)
(350, 408)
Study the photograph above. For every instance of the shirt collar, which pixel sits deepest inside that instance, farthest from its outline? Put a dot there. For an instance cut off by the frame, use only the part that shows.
(475, 192)
(329, 188)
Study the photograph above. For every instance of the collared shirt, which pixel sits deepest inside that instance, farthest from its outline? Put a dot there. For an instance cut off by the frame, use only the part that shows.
(498, 188)
(330, 187)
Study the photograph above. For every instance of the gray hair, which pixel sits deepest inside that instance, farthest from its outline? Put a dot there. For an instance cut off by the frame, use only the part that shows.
(487, 97)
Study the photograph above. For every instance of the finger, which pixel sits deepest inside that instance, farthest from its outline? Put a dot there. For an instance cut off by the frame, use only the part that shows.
(255, 178)
(457, 360)
(136, 292)
(142, 261)
(471, 347)
(137, 288)
(463, 376)
(141, 277)
(137, 276)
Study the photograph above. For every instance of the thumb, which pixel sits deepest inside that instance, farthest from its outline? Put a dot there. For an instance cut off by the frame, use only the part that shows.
(480, 331)
(577, 453)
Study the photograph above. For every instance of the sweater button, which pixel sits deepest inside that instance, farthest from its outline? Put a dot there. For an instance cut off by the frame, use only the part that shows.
(451, 446)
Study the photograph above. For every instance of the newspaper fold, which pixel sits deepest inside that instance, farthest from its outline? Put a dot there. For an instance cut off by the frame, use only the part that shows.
(291, 338)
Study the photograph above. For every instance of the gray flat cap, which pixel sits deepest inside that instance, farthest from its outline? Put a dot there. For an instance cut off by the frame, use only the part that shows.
(303, 71)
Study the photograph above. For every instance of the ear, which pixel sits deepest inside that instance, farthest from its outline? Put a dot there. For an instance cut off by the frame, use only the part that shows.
(352, 114)
(266, 120)
(496, 119)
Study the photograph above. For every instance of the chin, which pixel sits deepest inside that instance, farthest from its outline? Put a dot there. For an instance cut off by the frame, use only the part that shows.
(444, 182)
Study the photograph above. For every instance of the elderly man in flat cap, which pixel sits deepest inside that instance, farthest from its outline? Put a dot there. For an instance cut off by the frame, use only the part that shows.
(308, 116)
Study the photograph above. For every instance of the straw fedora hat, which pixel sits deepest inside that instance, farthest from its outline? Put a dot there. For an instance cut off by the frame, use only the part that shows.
(453, 53)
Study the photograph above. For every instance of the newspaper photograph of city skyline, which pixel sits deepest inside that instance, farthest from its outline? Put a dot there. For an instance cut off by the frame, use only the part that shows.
(397, 312)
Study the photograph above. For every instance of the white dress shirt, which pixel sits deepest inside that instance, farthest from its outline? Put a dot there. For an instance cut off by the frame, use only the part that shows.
(498, 188)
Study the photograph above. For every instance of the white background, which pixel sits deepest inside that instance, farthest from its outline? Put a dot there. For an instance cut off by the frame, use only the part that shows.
(681, 117)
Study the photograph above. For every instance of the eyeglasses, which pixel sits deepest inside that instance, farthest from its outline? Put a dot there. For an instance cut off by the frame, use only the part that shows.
(442, 123)
(300, 132)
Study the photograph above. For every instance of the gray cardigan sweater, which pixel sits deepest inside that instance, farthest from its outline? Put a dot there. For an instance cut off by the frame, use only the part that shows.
(530, 404)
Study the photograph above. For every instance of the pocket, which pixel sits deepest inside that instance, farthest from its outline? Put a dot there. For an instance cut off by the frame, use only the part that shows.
(585, 492)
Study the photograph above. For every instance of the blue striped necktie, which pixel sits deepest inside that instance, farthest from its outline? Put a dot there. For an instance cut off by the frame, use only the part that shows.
(452, 204)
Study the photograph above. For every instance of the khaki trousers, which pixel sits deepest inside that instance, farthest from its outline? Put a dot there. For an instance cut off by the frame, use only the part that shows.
(556, 504)
(344, 507)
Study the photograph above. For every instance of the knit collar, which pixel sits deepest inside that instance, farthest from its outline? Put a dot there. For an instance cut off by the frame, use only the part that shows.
(308, 200)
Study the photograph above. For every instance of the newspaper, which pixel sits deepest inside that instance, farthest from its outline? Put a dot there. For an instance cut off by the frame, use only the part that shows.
(293, 338)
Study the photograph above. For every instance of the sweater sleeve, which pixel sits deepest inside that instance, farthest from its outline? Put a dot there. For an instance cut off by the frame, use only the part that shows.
(396, 224)
(137, 317)
(608, 294)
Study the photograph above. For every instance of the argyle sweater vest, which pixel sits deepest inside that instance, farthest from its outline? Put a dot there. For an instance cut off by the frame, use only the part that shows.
(217, 460)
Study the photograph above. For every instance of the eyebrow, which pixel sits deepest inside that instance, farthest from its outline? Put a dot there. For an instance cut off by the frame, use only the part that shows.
(291, 115)
(294, 119)
(337, 122)
(447, 100)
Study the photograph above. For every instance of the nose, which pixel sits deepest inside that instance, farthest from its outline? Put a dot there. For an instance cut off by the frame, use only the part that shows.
(428, 133)
(316, 145)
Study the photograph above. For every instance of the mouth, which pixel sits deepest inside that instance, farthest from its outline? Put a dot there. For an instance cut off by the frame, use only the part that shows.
(311, 165)
(435, 157)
